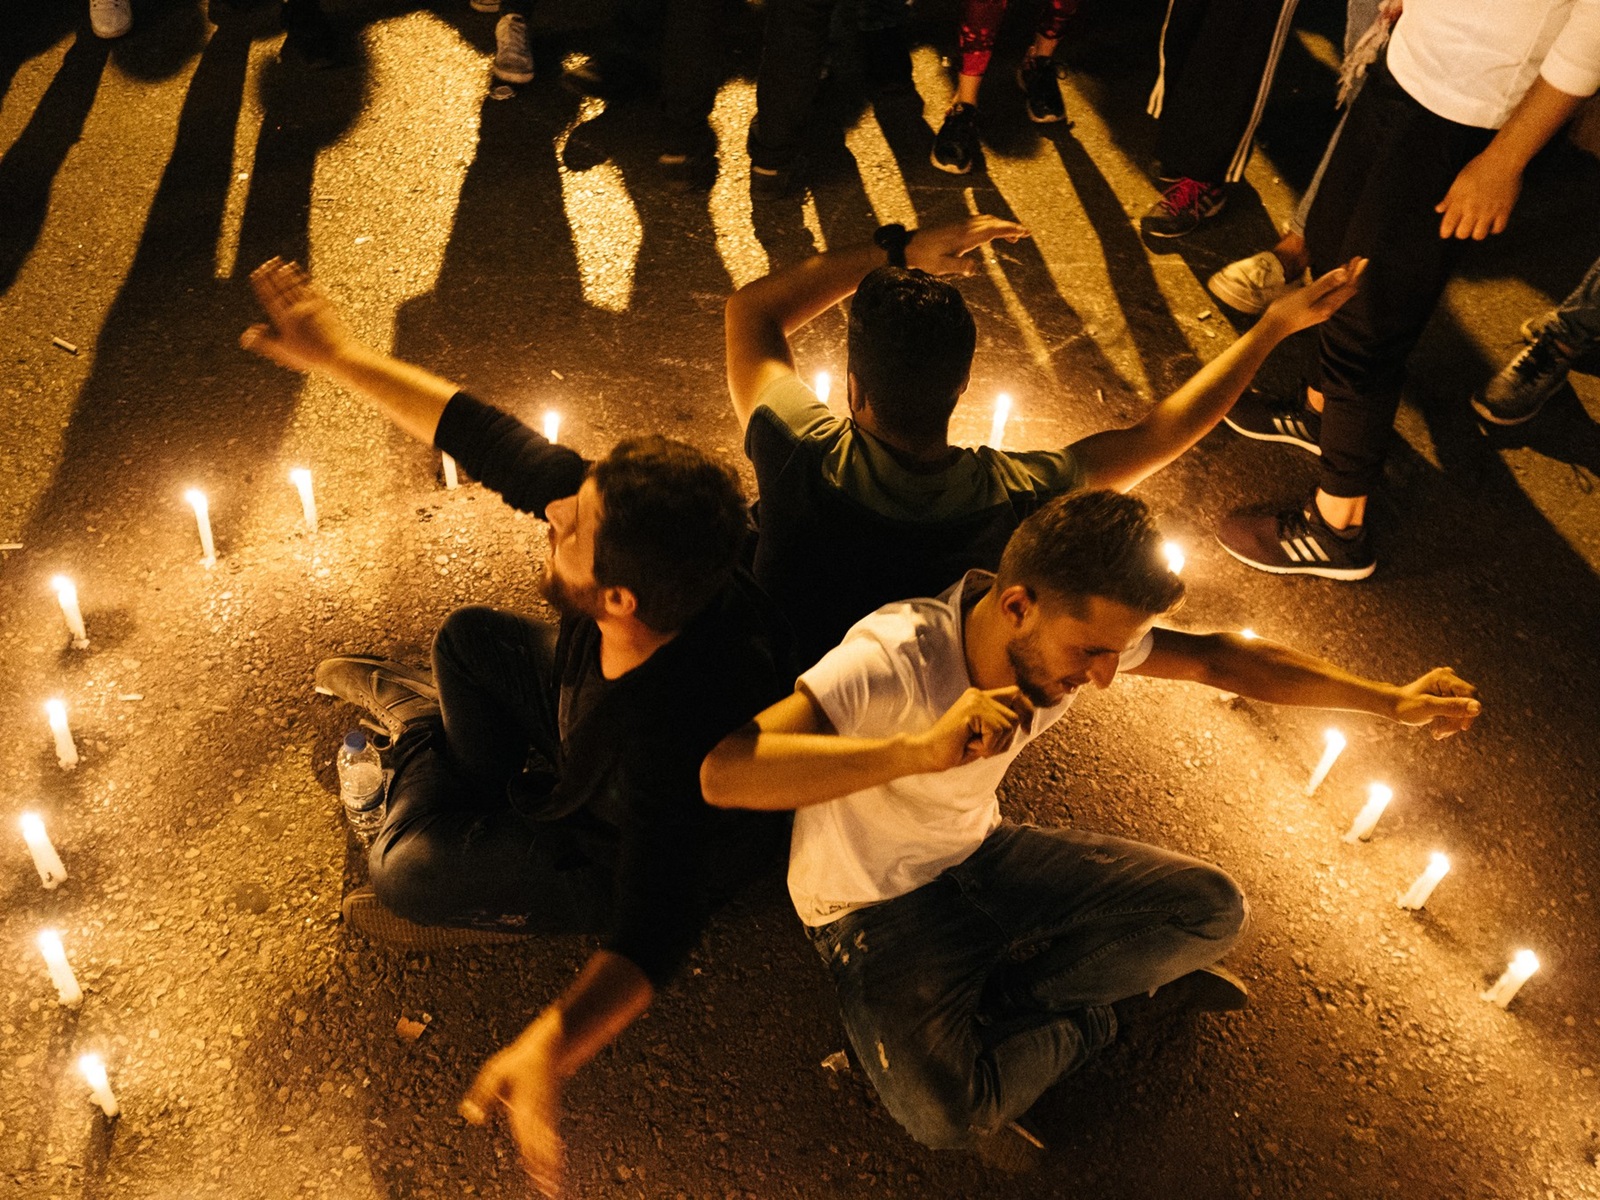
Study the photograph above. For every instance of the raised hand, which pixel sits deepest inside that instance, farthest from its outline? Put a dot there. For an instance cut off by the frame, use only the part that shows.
(943, 249)
(1318, 300)
(522, 1081)
(303, 331)
(1440, 699)
(978, 725)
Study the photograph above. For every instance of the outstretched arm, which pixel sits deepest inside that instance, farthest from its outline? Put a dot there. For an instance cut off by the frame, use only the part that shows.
(526, 1078)
(304, 332)
(1263, 670)
(1120, 458)
(761, 316)
(789, 756)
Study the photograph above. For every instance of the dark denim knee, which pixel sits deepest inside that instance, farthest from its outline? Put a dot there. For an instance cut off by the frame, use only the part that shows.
(406, 878)
(1219, 905)
(465, 627)
(940, 1124)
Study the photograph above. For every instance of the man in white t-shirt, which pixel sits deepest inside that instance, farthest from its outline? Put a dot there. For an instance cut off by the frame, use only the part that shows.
(977, 961)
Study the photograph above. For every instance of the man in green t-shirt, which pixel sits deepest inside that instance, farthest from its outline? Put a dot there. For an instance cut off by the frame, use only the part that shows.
(856, 512)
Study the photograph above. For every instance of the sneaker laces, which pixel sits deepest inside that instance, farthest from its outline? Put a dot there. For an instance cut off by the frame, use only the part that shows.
(1184, 194)
(1541, 357)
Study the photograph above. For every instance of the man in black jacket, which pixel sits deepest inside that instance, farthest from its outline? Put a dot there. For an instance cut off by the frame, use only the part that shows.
(548, 781)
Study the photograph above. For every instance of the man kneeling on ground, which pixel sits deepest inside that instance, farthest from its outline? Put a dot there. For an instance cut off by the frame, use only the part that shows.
(547, 781)
(978, 961)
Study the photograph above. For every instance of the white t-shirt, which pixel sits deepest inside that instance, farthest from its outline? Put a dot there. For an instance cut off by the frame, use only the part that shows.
(898, 671)
(1472, 61)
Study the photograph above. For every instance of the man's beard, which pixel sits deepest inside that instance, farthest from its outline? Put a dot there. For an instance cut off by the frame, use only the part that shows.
(1031, 679)
(566, 599)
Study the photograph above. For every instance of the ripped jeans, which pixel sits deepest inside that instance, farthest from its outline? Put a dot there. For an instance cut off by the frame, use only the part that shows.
(967, 998)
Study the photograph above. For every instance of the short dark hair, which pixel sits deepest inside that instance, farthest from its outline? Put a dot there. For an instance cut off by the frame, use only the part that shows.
(672, 524)
(1092, 544)
(911, 342)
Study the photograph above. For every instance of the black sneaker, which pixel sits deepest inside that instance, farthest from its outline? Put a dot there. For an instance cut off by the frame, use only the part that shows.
(393, 693)
(1519, 391)
(1182, 207)
(1040, 81)
(955, 146)
(1296, 541)
(1268, 418)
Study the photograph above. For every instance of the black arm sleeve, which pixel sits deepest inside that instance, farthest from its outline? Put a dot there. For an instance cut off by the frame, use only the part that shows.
(506, 456)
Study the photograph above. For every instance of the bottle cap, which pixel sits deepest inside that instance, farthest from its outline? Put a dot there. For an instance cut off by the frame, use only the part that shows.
(355, 741)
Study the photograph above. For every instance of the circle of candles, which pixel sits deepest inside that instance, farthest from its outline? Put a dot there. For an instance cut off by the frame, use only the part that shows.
(1002, 414)
(552, 425)
(1173, 553)
(67, 595)
(55, 958)
(202, 519)
(45, 859)
(66, 749)
(1417, 894)
(451, 480)
(1522, 966)
(1378, 797)
(1330, 755)
(301, 478)
(823, 386)
(93, 1069)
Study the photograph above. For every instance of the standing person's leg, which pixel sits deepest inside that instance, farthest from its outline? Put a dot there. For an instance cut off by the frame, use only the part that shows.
(793, 50)
(886, 46)
(453, 849)
(692, 57)
(955, 146)
(1559, 339)
(957, 1040)
(1210, 107)
(1039, 76)
(1390, 181)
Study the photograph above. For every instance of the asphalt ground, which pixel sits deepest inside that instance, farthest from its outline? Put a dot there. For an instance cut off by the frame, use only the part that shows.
(526, 248)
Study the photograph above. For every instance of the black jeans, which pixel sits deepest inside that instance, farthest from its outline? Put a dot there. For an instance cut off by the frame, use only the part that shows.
(1395, 160)
(453, 849)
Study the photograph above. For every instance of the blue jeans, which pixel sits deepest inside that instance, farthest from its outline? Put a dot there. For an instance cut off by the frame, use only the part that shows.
(968, 997)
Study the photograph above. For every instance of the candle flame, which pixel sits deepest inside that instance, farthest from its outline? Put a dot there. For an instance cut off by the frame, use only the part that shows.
(50, 945)
(1248, 634)
(1439, 863)
(301, 478)
(1174, 556)
(64, 587)
(32, 826)
(56, 710)
(824, 386)
(93, 1069)
(1526, 962)
(196, 499)
(552, 425)
(1379, 794)
(1335, 740)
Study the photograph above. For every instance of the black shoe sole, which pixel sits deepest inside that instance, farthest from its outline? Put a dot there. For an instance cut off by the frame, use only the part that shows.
(948, 168)
(1504, 422)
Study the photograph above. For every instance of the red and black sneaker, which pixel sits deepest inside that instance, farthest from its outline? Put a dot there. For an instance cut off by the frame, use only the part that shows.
(1297, 541)
(1182, 207)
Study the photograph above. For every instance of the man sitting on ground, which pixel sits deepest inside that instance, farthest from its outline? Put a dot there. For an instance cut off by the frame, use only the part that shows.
(857, 512)
(978, 961)
(548, 782)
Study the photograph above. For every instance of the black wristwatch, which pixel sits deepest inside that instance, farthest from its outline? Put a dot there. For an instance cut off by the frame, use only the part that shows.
(894, 239)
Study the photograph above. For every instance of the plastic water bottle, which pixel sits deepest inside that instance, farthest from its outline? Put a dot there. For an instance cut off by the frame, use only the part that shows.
(361, 786)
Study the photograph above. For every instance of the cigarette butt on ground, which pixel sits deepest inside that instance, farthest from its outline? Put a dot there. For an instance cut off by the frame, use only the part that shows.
(10, 545)
(838, 1062)
(63, 344)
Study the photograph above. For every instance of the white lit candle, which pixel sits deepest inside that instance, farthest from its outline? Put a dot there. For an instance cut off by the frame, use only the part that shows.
(450, 478)
(1002, 414)
(202, 518)
(45, 859)
(1522, 966)
(1249, 635)
(66, 750)
(67, 594)
(1335, 747)
(824, 386)
(1378, 797)
(1174, 556)
(1417, 896)
(552, 425)
(301, 478)
(93, 1070)
(67, 989)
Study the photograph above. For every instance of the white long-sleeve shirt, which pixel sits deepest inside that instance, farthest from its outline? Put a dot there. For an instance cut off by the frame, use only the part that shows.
(1472, 61)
